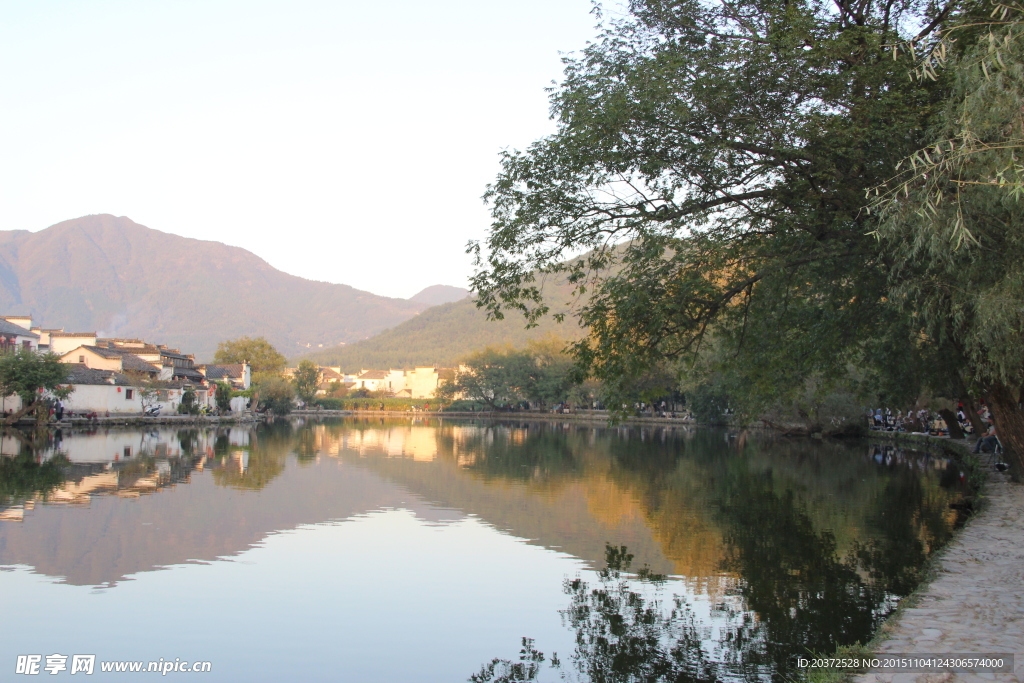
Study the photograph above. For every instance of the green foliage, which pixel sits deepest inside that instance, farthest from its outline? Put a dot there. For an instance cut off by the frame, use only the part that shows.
(463, 405)
(708, 401)
(370, 403)
(29, 374)
(223, 396)
(307, 380)
(21, 475)
(148, 387)
(822, 537)
(832, 674)
(337, 390)
(954, 219)
(441, 335)
(711, 161)
(275, 393)
(504, 671)
(268, 450)
(257, 351)
(329, 403)
(189, 402)
(540, 373)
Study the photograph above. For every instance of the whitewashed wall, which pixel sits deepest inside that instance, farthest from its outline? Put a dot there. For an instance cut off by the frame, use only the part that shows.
(103, 398)
(422, 382)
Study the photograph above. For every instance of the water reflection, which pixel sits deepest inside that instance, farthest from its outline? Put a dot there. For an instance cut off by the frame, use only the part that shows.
(809, 575)
(756, 548)
(623, 630)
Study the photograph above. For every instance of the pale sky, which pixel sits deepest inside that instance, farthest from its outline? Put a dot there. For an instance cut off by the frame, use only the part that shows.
(340, 141)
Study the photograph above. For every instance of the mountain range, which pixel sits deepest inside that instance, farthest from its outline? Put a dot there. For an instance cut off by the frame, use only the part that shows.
(110, 275)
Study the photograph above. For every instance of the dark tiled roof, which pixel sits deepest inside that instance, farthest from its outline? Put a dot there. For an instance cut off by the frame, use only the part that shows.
(231, 371)
(373, 374)
(101, 351)
(80, 374)
(138, 346)
(128, 347)
(11, 328)
(130, 361)
(189, 373)
(179, 383)
(330, 375)
(62, 333)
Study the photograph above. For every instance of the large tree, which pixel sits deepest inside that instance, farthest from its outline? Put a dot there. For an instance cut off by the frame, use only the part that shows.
(954, 220)
(705, 189)
(307, 380)
(256, 351)
(33, 377)
(539, 373)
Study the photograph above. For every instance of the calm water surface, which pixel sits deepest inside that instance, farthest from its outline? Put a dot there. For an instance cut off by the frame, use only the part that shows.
(423, 550)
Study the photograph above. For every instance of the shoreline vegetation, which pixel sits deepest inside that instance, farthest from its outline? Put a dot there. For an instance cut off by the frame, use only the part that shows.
(577, 415)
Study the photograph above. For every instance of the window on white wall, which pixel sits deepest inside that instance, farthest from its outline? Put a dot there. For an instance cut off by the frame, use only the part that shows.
(129, 394)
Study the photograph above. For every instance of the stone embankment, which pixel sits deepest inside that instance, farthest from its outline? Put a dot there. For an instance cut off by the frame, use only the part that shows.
(171, 419)
(975, 604)
(602, 416)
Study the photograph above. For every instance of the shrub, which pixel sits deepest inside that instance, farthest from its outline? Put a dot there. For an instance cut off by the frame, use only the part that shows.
(708, 403)
(223, 396)
(189, 403)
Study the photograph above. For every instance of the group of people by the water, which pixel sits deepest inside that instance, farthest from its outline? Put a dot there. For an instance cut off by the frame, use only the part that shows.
(924, 421)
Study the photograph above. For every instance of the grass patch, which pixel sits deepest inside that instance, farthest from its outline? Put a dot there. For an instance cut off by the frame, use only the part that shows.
(835, 674)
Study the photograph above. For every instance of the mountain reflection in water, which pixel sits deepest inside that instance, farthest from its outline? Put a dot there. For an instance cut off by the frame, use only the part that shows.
(754, 549)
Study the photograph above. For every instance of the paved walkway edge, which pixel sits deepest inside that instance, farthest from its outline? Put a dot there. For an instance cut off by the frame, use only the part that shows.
(974, 605)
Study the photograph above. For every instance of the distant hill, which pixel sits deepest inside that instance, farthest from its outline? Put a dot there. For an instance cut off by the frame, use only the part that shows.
(440, 294)
(109, 274)
(442, 335)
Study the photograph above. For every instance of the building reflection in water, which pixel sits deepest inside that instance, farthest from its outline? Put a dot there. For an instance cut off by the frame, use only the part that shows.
(124, 463)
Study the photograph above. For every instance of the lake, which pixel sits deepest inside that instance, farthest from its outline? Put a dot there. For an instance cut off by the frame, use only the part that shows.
(426, 549)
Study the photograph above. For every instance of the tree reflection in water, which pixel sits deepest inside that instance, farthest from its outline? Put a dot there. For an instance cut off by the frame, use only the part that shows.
(22, 476)
(623, 633)
(795, 593)
(265, 455)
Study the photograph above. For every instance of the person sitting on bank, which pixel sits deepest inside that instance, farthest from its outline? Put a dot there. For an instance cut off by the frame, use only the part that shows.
(988, 443)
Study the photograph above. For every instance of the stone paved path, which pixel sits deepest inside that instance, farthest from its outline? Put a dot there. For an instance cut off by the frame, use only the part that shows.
(976, 603)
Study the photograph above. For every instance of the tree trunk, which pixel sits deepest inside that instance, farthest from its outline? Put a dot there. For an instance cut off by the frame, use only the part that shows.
(972, 415)
(954, 426)
(1009, 422)
(14, 417)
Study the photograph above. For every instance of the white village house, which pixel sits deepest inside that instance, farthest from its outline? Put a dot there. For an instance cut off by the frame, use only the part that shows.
(101, 391)
(111, 376)
(420, 382)
(14, 336)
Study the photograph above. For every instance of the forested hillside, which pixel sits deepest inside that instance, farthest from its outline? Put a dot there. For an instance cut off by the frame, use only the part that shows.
(442, 335)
